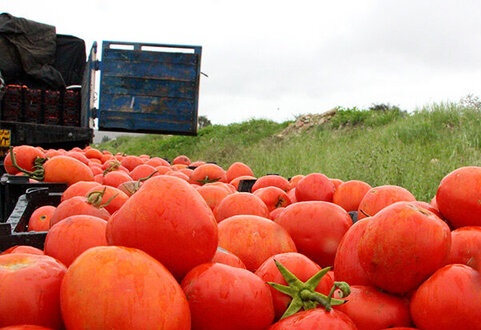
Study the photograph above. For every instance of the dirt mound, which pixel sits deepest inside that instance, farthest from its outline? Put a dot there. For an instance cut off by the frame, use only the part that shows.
(306, 122)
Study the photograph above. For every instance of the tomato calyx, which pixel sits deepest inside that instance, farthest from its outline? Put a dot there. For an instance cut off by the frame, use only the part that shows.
(208, 179)
(37, 174)
(304, 294)
(95, 198)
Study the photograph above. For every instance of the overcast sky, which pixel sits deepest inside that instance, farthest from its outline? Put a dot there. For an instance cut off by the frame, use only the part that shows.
(278, 59)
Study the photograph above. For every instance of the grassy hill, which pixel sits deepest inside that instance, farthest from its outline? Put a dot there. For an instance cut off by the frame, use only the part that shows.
(381, 145)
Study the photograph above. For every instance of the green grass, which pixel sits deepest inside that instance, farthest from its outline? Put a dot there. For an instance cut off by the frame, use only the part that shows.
(386, 146)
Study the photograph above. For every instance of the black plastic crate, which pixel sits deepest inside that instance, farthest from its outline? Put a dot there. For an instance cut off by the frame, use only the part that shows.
(15, 230)
(14, 186)
(33, 100)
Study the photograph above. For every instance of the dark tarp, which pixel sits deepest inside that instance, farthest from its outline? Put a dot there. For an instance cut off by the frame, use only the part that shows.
(31, 53)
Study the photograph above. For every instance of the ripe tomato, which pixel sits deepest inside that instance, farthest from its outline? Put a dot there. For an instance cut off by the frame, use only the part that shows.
(349, 194)
(240, 203)
(66, 169)
(25, 157)
(225, 297)
(371, 308)
(77, 205)
(168, 219)
(40, 218)
(270, 180)
(29, 289)
(298, 264)
(448, 299)
(458, 197)
(315, 187)
(113, 287)
(346, 262)
(316, 227)
(315, 319)
(379, 197)
(254, 239)
(274, 197)
(403, 245)
(226, 257)
(67, 239)
(466, 247)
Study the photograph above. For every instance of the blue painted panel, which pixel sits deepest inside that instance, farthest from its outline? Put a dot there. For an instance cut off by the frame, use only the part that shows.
(152, 91)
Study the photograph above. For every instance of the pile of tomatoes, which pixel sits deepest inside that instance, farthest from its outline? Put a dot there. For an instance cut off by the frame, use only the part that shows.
(139, 242)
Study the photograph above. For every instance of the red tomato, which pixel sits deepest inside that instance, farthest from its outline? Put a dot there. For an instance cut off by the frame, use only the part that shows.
(22, 249)
(25, 157)
(402, 246)
(110, 198)
(67, 239)
(274, 197)
(376, 198)
(466, 247)
(458, 197)
(316, 227)
(25, 327)
(77, 205)
(254, 239)
(449, 299)
(347, 267)
(315, 187)
(112, 287)
(371, 309)
(168, 219)
(315, 319)
(29, 289)
(228, 258)
(40, 218)
(301, 266)
(225, 297)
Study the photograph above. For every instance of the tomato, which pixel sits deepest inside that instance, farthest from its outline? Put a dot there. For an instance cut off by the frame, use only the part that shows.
(270, 180)
(25, 327)
(240, 203)
(376, 198)
(108, 197)
(458, 196)
(39, 220)
(24, 156)
(225, 297)
(315, 187)
(315, 319)
(466, 247)
(254, 239)
(213, 194)
(226, 257)
(301, 266)
(207, 173)
(79, 188)
(316, 227)
(113, 287)
(403, 245)
(371, 308)
(22, 249)
(349, 194)
(67, 239)
(238, 169)
(273, 197)
(29, 289)
(66, 169)
(346, 262)
(77, 205)
(168, 219)
(449, 299)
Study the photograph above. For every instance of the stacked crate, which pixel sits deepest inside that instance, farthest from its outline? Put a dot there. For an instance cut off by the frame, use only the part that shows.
(51, 107)
(12, 103)
(33, 99)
